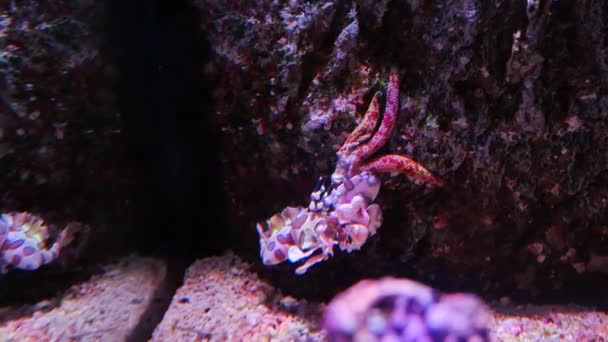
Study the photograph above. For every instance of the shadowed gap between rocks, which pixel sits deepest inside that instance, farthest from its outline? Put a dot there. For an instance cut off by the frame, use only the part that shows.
(164, 103)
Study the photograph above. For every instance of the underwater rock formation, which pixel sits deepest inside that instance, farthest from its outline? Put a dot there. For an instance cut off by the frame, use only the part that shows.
(504, 101)
(62, 147)
(121, 303)
(59, 127)
(223, 299)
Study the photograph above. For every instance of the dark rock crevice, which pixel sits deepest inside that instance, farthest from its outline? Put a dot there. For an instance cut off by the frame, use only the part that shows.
(165, 104)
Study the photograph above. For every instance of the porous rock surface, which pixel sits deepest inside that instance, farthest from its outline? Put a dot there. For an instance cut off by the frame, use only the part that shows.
(118, 305)
(223, 300)
(57, 108)
(549, 323)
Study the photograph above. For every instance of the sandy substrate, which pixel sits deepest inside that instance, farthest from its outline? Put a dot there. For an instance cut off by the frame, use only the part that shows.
(114, 306)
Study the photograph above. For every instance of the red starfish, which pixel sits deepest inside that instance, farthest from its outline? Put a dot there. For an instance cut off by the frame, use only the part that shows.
(363, 142)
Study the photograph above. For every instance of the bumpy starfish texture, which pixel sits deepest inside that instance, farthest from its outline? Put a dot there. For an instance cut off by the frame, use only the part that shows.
(23, 239)
(342, 212)
(359, 146)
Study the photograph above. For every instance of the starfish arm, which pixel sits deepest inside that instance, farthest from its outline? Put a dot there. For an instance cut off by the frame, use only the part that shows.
(388, 121)
(392, 163)
(365, 129)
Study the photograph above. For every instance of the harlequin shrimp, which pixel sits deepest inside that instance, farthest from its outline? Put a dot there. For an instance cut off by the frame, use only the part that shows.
(342, 211)
(23, 242)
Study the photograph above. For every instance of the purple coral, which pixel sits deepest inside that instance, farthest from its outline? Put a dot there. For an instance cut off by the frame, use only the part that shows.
(392, 309)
